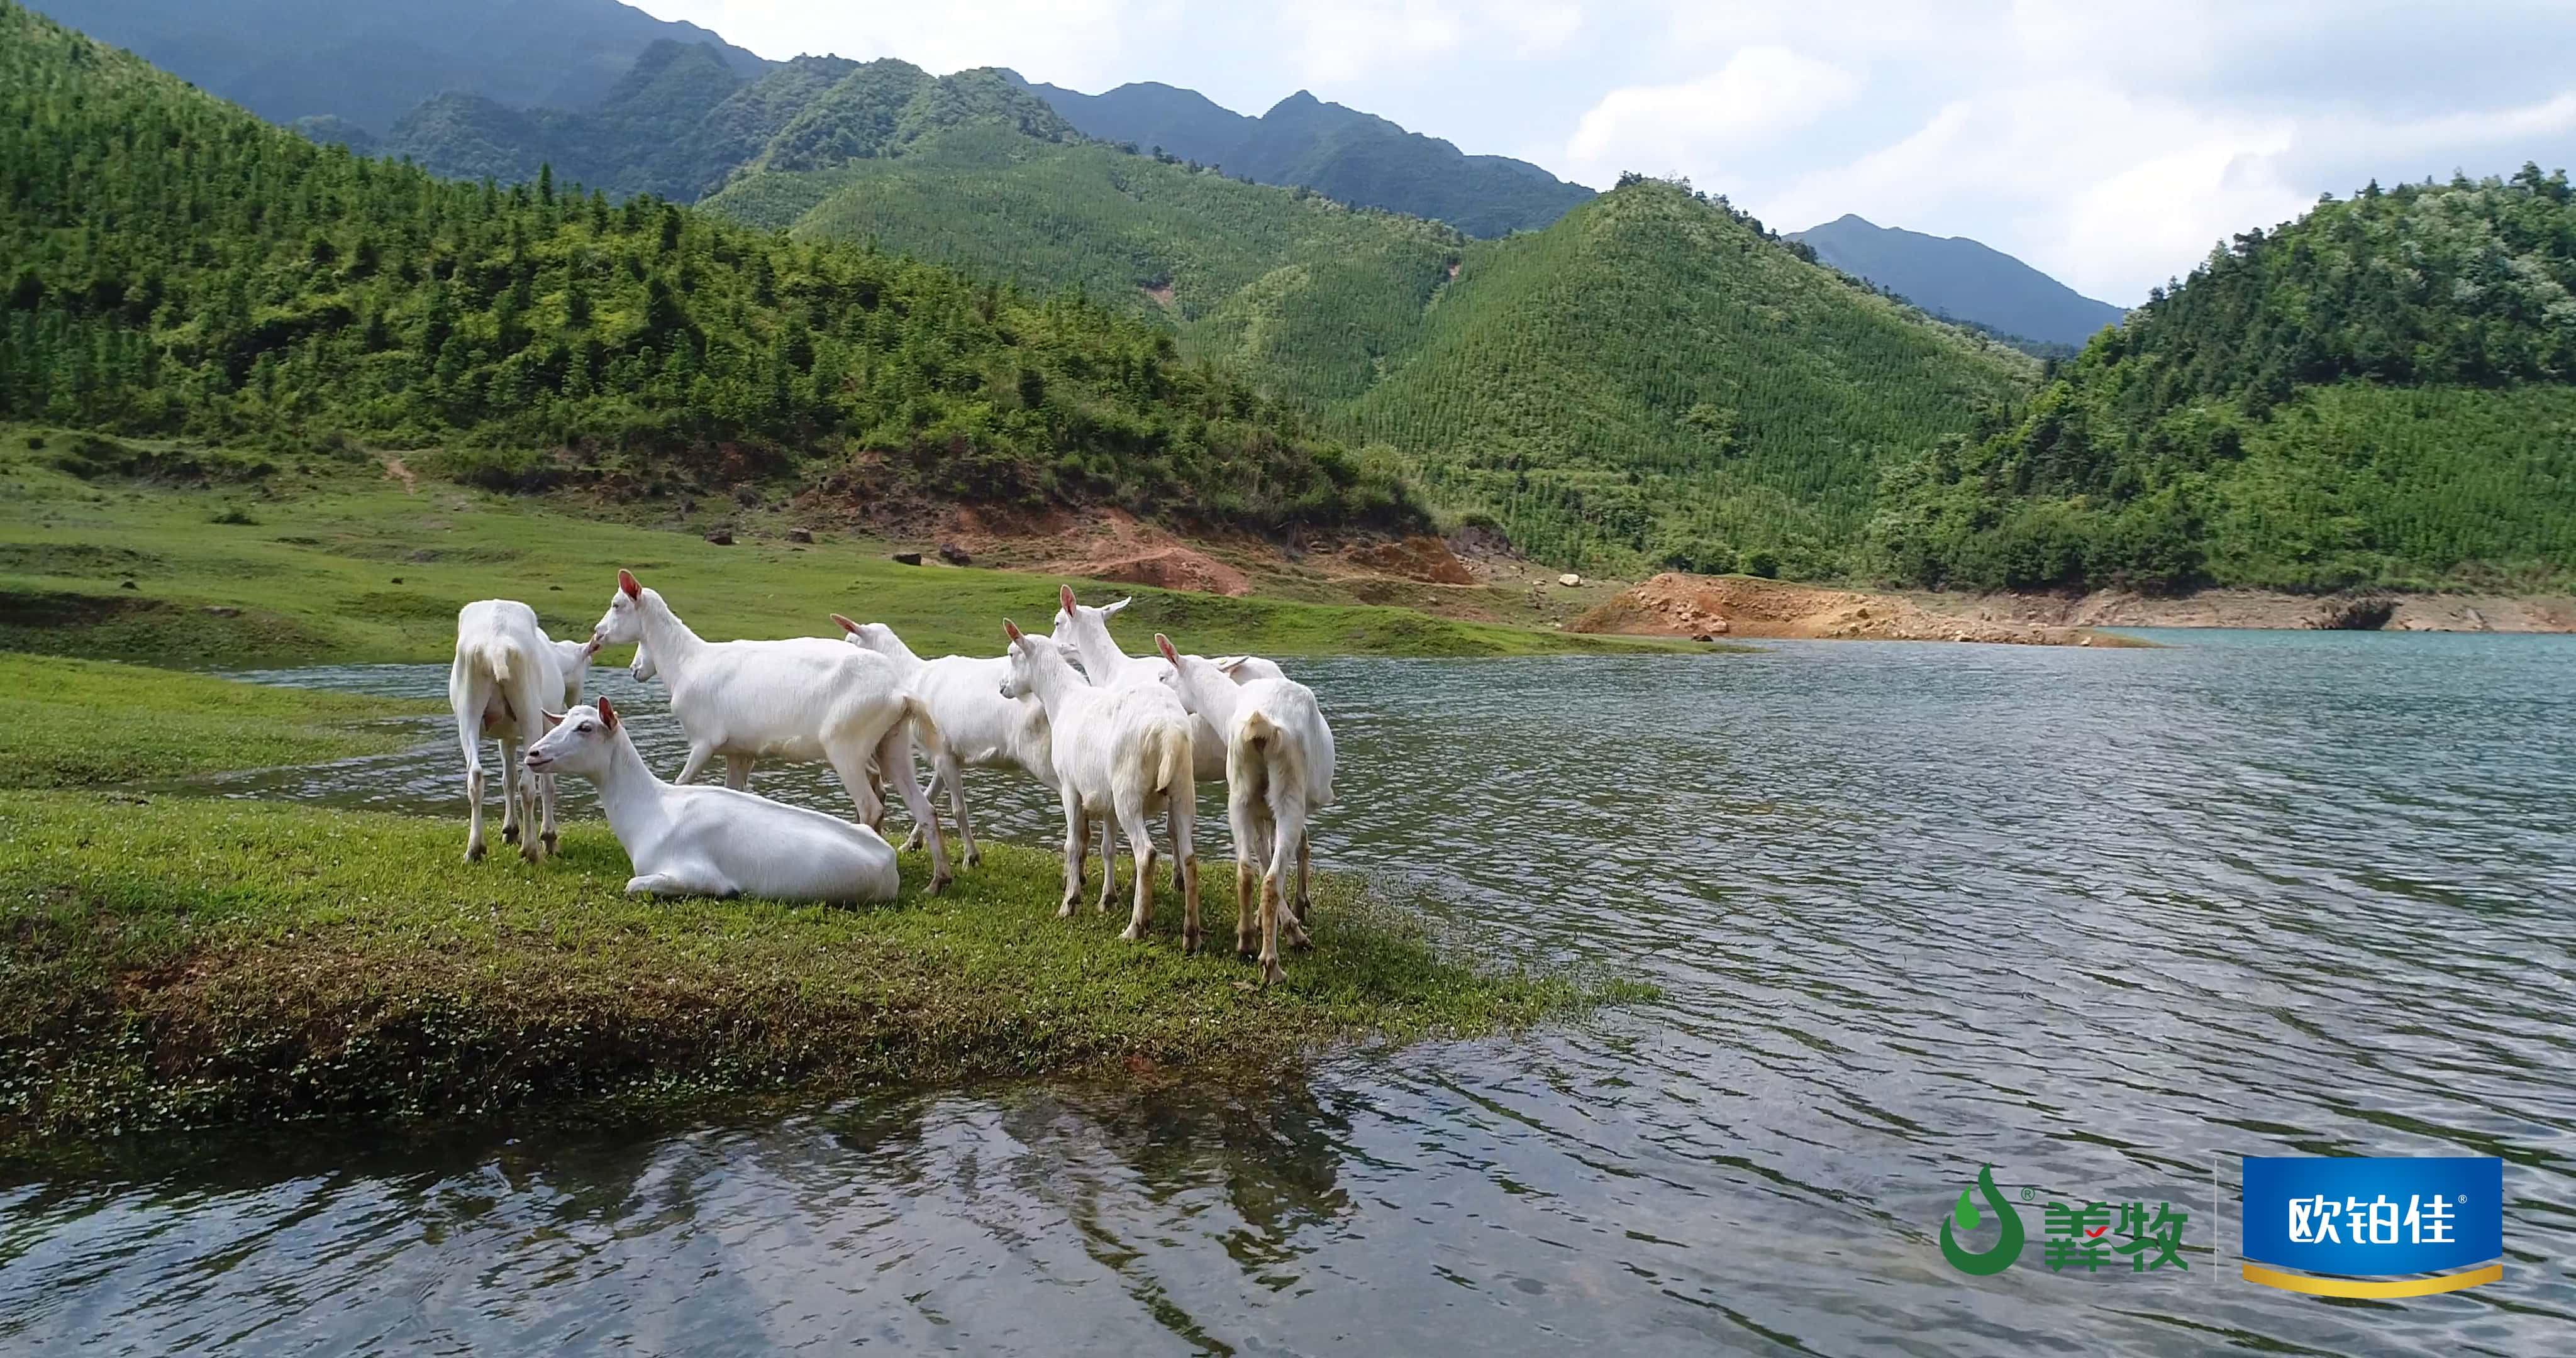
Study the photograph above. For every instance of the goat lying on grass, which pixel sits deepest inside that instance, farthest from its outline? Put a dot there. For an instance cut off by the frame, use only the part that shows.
(802, 699)
(711, 841)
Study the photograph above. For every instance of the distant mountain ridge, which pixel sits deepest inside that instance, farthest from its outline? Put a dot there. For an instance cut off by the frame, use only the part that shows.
(368, 64)
(1959, 279)
(1342, 153)
(683, 122)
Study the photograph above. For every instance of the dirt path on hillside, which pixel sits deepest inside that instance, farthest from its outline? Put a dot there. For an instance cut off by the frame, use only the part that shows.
(396, 471)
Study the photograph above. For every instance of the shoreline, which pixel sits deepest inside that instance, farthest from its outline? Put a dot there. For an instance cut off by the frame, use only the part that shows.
(172, 961)
(1736, 607)
(2350, 610)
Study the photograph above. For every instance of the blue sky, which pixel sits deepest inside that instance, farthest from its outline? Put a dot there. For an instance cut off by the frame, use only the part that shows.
(2111, 144)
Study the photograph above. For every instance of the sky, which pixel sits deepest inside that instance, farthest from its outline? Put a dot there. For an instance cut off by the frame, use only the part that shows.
(2109, 143)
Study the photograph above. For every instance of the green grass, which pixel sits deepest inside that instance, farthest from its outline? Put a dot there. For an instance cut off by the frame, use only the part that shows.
(344, 565)
(182, 963)
(67, 723)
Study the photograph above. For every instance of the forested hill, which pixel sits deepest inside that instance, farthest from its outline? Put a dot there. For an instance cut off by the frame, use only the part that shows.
(1342, 153)
(177, 265)
(364, 63)
(1656, 380)
(2382, 392)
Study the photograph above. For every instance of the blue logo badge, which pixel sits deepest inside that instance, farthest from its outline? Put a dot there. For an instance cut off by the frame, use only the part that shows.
(2368, 1217)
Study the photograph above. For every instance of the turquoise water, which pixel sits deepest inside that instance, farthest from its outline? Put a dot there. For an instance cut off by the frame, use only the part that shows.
(2103, 919)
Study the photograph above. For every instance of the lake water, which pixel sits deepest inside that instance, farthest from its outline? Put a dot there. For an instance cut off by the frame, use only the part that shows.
(2103, 919)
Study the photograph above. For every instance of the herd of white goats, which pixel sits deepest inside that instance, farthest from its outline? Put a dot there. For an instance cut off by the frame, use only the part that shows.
(1119, 738)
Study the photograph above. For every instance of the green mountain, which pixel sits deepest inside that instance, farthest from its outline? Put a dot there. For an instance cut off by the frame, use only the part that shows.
(178, 266)
(369, 62)
(2380, 393)
(1653, 379)
(1344, 154)
(1958, 279)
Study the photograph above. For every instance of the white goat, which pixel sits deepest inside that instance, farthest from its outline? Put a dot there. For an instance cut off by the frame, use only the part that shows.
(711, 841)
(802, 699)
(1117, 751)
(573, 658)
(505, 674)
(1108, 666)
(1279, 769)
(977, 726)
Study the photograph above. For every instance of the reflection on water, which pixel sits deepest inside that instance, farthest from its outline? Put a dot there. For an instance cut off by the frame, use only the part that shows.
(2103, 919)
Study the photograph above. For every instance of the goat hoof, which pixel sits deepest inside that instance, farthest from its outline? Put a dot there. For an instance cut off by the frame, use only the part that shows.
(473, 853)
(1132, 934)
(974, 858)
(940, 883)
(912, 843)
(552, 841)
(1273, 974)
(531, 853)
(509, 834)
(1191, 942)
(1244, 947)
(1065, 911)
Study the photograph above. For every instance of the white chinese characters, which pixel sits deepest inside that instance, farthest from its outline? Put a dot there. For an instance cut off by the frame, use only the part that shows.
(2323, 1221)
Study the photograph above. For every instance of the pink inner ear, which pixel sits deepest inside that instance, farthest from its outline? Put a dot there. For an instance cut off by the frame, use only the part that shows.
(626, 584)
(1065, 592)
(846, 624)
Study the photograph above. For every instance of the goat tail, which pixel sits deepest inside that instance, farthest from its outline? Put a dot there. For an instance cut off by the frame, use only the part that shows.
(1273, 753)
(1178, 774)
(494, 656)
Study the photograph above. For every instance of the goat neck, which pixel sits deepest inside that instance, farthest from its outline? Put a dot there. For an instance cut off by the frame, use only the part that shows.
(672, 643)
(630, 793)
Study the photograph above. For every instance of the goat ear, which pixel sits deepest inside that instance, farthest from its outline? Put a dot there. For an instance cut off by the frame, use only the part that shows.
(1107, 609)
(1164, 644)
(626, 584)
(553, 719)
(590, 647)
(1064, 594)
(1012, 630)
(1229, 664)
(846, 624)
(607, 713)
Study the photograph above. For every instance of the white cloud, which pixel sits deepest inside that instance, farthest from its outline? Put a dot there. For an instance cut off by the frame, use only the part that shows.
(1762, 91)
(1337, 41)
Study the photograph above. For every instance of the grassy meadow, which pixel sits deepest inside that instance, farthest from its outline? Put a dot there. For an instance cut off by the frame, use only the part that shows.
(175, 555)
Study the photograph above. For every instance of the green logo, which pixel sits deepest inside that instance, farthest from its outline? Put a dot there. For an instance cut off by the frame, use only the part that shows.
(2007, 1246)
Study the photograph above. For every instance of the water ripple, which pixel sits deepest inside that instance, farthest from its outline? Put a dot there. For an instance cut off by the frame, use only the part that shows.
(2104, 919)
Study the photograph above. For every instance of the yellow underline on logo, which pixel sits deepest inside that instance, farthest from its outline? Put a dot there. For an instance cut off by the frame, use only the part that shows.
(2354, 1287)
